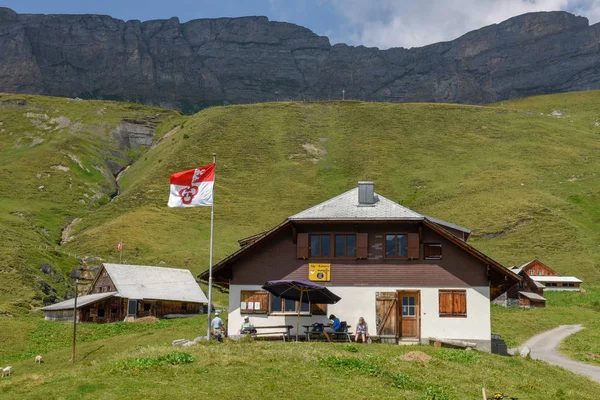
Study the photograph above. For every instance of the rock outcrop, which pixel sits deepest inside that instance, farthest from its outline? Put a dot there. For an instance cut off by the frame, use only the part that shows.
(240, 60)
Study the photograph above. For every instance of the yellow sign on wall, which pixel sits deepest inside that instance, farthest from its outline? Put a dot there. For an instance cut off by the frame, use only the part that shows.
(319, 272)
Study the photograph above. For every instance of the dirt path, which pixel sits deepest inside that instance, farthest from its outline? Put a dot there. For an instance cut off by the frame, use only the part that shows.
(543, 347)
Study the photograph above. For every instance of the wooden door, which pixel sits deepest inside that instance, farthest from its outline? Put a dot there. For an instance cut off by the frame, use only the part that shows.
(409, 314)
(386, 308)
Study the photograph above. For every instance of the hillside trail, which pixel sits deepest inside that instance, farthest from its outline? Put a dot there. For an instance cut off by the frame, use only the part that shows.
(543, 347)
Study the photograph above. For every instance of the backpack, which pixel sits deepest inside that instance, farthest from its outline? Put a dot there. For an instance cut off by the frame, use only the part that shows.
(317, 327)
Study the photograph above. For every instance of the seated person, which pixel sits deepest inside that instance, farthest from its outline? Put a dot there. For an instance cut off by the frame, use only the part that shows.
(361, 330)
(335, 326)
(247, 326)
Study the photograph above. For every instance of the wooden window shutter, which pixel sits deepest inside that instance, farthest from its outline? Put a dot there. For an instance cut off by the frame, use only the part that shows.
(259, 300)
(459, 303)
(362, 245)
(413, 246)
(318, 309)
(262, 297)
(445, 303)
(302, 246)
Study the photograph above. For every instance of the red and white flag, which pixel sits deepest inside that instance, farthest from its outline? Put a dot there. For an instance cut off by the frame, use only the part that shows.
(120, 245)
(193, 188)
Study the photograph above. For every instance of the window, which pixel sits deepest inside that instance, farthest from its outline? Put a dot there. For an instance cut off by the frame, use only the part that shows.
(183, 306)
(146, 307)
(345, 245)
(253, 302)
(540, 272)
(279, 305)
(101, 313)
(432, 251)
(320, 245)
(396, 245)
(409, 308)
(453, 303)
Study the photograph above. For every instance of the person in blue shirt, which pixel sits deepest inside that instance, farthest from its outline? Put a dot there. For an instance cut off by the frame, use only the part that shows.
(217, 326)
(336, 326)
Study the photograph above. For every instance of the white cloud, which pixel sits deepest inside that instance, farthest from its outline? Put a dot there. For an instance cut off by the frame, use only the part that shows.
(413, 23)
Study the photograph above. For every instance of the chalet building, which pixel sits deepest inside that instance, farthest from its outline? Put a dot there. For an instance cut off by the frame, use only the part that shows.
(125, 292)
(547, 277)
(526, 293)
(411, 277)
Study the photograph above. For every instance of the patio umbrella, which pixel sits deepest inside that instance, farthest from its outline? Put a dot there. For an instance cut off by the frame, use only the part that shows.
(302, 291)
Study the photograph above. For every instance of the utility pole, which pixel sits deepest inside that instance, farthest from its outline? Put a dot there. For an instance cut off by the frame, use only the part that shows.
(75, 321)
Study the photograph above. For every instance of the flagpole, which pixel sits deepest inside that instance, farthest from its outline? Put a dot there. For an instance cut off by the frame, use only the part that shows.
(121, 253)
(210, 262)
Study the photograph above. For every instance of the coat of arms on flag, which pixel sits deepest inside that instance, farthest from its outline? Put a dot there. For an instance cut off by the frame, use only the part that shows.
(193, 187)
(120, 245)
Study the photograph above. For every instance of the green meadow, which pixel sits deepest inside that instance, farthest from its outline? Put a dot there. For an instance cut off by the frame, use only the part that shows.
(523, 175)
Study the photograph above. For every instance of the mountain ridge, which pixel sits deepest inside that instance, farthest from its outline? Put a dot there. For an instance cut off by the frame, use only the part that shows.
(205, 62)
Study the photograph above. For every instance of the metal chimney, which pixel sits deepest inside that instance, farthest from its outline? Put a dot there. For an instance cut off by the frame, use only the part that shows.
(366, 193)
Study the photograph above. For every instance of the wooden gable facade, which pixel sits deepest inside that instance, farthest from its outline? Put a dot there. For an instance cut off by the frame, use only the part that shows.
(538, 268)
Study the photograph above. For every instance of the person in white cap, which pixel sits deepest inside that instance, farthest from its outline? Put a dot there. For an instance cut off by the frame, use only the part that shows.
(217, 326)
(247, 326)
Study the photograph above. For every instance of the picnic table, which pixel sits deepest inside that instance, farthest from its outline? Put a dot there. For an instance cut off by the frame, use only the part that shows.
(335, 336)
(283, 330)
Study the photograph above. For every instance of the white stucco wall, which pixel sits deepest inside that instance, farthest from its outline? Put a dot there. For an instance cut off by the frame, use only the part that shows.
(358, 301)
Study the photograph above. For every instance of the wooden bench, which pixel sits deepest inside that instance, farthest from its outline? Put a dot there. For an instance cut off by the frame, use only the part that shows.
(280, 330)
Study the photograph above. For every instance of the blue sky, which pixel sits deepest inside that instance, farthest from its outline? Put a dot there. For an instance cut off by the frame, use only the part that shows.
(377, 23)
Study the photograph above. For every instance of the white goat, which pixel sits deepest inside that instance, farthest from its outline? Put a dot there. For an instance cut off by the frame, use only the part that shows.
(6, 371)
(38, 359)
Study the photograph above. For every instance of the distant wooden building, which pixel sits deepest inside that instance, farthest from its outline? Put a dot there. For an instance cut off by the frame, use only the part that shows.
(536, 277)
(546, 278)
(125, 292)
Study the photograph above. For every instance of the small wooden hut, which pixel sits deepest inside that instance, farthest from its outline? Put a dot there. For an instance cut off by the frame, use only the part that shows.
(126, 292)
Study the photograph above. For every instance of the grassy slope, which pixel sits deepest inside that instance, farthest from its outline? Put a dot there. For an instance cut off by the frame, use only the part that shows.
(524, 181)
(39, 135)
(259, 370)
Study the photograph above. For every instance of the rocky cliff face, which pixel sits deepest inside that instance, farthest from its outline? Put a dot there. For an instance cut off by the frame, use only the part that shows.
(252, 59)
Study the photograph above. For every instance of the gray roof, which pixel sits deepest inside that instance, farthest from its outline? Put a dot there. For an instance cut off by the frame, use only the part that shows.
(345, 207)
(516, 270)
(532, 296)
(81, 301)
(145, 282)
(448, 224)
(539, 285)
(546, 278)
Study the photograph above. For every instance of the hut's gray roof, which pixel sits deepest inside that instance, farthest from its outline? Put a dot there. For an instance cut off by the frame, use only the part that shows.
(81, 301)
(345, 207)
(448, 224)
(532, 296)
(145, 282)
(546, 278)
